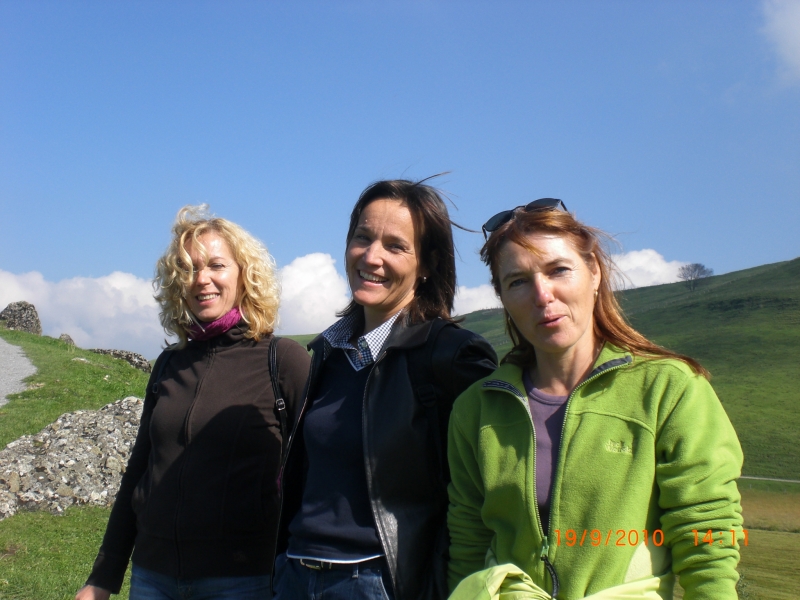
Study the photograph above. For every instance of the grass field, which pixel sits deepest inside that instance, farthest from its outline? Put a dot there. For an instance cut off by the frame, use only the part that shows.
(48, 557)
(745, 328)
(67, 379)
(770, 562)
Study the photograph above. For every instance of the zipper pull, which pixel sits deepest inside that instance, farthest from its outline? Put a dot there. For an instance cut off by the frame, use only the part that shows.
(549, 566)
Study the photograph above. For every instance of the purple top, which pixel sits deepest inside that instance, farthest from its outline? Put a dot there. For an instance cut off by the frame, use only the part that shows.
(547, 412)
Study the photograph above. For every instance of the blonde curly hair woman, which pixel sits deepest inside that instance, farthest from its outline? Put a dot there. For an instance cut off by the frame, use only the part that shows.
(259, 296)
(197, 505)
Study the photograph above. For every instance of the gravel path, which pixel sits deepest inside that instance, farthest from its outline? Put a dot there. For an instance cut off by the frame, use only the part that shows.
(14, 367)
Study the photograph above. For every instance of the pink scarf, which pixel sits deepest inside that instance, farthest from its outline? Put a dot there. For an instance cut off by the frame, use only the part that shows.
(206, 331)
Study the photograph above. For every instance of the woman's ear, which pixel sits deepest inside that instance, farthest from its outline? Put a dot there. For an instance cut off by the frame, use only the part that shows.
(423, 271)
(597, 277)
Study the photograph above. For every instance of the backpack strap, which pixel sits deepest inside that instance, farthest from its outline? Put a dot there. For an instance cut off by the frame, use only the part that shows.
(280, 404)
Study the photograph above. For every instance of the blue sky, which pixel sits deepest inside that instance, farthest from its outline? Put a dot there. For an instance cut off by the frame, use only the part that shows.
(673, 125)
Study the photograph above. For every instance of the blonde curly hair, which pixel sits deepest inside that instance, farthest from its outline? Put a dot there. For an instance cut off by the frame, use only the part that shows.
(259, 294)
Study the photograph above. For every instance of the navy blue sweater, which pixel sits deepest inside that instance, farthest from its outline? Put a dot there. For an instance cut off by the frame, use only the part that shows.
(335, 520)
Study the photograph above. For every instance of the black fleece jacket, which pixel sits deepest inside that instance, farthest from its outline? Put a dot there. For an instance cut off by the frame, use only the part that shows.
(199, 497)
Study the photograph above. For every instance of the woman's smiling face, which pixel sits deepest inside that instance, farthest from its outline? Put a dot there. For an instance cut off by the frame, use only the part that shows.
(216, 284)
(549, 295)
(381, 259)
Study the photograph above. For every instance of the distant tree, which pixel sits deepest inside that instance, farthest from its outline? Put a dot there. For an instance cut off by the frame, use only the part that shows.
(692, 273)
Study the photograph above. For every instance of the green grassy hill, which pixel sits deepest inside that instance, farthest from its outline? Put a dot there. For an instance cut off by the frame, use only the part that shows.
(67, 379)
(745, 328)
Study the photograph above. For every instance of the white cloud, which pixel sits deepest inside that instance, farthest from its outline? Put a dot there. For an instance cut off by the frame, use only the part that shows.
(471, 299)
(115, 311)
(118, 310)
(646, 267)
(312, 293)
(782, 29)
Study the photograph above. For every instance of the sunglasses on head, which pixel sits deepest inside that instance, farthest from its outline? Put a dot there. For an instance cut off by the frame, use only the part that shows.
(501, 218)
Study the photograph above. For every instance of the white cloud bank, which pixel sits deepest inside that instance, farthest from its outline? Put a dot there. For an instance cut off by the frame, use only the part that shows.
(114, 311)
(312, 293)
(641, 268)
(118, 310)
(782, 29)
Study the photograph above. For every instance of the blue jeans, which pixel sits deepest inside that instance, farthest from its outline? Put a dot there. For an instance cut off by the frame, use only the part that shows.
(293, 581)
(148, 585)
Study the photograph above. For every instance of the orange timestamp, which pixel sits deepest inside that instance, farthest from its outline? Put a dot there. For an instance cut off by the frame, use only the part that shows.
(721, 537)
(632, 537)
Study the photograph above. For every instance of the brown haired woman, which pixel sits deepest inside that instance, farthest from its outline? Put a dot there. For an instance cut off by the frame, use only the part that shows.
(198, 502)
(592, 463)
(365, 483)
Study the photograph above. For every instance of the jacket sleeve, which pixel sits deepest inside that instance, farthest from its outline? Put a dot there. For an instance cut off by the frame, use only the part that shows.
(469, 537)
(698, 461)
(111, 563)
(294, 363)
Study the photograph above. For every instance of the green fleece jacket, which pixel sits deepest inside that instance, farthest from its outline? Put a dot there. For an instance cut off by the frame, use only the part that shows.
(647, 466)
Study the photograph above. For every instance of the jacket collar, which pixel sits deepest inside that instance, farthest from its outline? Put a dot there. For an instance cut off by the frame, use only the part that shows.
(403, 336)
(235, 335)
(509, 376)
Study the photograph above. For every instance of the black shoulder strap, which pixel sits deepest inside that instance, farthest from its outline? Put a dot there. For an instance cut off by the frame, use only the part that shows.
(160, 372)
(276, 391)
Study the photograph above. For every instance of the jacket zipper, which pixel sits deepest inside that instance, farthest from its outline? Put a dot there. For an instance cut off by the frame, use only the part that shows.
(537, 514)
(186, 437)
(544, 554)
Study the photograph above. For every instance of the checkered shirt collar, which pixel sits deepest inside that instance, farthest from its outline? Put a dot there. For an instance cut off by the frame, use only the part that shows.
(367, 347)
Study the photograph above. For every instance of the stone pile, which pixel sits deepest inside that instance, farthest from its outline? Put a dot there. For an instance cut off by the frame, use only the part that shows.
(135, 360)
(79, 459)
(22, 316)
(67, 339)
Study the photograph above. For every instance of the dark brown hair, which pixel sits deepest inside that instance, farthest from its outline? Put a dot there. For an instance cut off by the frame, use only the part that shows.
(433, 297)
(609, 323)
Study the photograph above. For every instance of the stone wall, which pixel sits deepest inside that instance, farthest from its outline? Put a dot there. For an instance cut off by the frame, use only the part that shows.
(79, 459)
(135, 360)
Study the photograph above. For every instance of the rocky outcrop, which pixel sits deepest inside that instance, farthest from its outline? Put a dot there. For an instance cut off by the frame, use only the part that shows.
(22, 316)
(135, 360)
(79, 459)
(65, 337)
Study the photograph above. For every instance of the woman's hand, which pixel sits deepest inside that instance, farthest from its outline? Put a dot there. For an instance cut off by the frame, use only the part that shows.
(90, 592)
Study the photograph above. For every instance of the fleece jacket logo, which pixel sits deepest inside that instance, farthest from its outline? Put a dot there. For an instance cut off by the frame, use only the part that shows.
(618, 447)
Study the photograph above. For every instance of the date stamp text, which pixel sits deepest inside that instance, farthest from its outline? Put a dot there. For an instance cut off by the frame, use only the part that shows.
(633, 537)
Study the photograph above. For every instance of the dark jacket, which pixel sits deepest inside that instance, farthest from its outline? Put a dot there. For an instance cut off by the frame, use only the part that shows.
(405, 441)
(199, 497)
